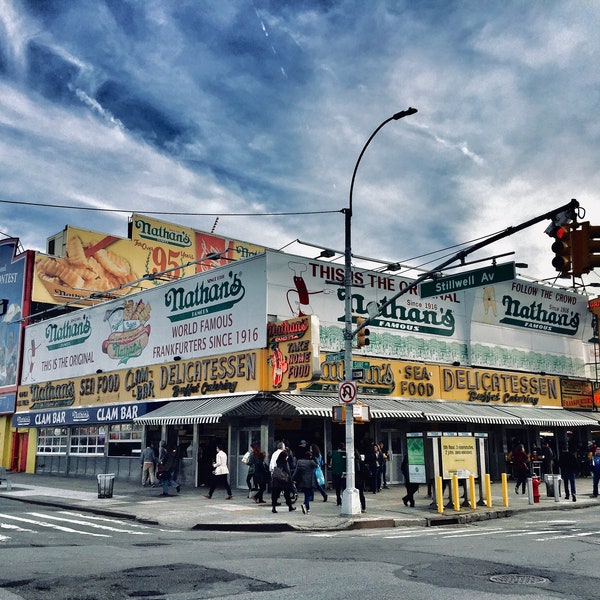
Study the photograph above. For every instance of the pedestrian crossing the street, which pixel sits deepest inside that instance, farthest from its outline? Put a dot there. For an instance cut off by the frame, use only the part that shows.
(69, 522)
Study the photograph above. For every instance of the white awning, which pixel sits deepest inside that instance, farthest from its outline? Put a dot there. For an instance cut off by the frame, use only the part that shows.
(547, 417)
(208, 409)
(321, 405)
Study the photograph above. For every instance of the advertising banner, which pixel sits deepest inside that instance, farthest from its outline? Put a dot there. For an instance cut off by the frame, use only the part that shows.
(415, 449)
(433, 329)
(382, 377)
(223, 310)
(12, 290)
(459, 456)
(499, 387)
(577, 394)
(218, 374)
(83, 416)
(293, 352)
(528, 326)
(93, 263)
(97, 266)
(158, 245)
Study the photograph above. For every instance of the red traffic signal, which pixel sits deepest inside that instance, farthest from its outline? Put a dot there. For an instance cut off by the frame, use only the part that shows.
(562, 249)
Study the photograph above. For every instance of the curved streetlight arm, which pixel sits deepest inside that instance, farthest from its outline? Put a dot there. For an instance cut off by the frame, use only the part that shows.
(398, 115)
(350, 499)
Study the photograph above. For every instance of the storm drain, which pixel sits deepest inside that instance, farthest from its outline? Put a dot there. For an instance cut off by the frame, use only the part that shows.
(513, 578)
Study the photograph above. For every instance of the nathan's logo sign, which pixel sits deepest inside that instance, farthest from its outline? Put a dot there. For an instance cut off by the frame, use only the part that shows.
(52, 395)
(163, 234)
(130, 330)
(213, 295)
(413, 317)
(70, 333)
(293, 351)
(535, 316)
(285, 331)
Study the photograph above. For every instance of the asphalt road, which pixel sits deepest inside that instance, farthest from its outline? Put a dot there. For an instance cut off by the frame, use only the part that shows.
(65, 554)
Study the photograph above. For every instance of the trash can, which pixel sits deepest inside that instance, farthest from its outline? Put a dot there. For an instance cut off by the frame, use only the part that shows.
(551, 482)
(106, 482)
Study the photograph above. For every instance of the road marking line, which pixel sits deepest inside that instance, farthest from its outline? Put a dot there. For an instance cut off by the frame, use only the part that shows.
(52, 526)
(88, 524)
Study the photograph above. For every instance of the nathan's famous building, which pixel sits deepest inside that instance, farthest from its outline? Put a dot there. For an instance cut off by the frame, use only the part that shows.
(173, 334)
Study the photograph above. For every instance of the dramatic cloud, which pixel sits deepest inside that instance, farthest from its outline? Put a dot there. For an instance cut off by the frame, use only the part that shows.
(226, 107)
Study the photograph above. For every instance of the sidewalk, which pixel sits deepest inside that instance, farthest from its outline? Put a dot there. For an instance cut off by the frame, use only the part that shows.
(191, 510)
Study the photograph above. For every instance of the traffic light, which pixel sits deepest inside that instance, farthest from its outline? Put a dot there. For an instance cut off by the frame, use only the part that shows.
(362, 335)
(562, 248)
(585, 250)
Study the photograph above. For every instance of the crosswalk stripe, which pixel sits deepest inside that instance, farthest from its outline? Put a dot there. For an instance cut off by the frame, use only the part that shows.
(89, 524)
(51, 526)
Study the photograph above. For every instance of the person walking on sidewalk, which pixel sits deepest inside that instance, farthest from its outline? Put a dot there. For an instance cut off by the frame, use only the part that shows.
(305, 479)
(338, 471)
(568, 467)
(281, 481)
(521, 467)
(261, 472)
(148, 460)
(361, 475)
(595, 468)
(219, 475)
(319, 470)
(166, 466)
(411, 488)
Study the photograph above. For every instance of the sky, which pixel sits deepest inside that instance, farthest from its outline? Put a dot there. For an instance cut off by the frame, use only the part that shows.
(247, 117)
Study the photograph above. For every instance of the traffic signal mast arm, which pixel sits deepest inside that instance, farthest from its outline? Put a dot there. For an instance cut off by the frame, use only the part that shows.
(460, 256)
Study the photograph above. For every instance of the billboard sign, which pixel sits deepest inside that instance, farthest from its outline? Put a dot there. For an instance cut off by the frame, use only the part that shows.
(222, 310)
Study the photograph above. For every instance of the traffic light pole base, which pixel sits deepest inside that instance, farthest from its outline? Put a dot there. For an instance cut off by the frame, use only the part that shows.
(350, 503)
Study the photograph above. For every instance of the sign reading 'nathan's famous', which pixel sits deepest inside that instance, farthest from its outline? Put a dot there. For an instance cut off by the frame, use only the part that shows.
(211, 313)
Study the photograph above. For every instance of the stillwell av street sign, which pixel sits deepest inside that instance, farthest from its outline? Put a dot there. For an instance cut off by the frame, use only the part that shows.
(469, 279)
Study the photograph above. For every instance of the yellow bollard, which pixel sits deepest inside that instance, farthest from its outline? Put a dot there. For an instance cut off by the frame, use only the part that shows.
(455, 493)
(505, 489)
(472, 500)
(488, 489)
(439, 494)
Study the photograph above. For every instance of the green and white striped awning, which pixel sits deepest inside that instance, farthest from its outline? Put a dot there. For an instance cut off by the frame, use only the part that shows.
(208, 409)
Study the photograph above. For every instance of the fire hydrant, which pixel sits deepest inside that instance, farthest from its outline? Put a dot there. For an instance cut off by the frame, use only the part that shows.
(535, 484)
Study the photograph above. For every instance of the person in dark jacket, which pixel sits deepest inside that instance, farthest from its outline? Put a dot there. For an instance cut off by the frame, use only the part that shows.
(520, 467)
(595, 468)
(260, 470)
(338, 471)
(360, 478)
(281, 481)
(372, 463)
(568, 467)
(411, 488)
(305, 479)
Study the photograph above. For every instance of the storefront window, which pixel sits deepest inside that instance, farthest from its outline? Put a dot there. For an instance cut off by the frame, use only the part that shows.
(88, 440)
(125, 439)
(52, 440)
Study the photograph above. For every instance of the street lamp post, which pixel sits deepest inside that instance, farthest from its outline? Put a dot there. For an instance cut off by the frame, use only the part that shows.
(350, 499)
